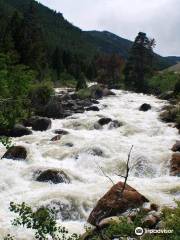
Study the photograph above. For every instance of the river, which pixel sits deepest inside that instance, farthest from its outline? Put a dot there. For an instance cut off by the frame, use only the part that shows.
(106, 148)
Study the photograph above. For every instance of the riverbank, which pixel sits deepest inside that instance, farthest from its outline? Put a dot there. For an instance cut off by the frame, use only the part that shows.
(79, 154)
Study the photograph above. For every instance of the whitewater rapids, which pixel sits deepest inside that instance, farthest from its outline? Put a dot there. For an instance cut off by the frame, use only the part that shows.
(150, 160)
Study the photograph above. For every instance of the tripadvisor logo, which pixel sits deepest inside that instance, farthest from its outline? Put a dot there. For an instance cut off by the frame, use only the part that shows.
(139, 231)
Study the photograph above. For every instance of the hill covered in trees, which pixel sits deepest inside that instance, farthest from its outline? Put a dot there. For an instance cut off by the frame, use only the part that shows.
(75, 44)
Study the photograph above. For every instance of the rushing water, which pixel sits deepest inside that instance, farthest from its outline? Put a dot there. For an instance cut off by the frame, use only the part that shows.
(152, 140)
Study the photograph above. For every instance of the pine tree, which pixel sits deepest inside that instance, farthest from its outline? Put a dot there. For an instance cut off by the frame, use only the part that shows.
(57, 63)
(139, 65)
(81, 84)
(32, 48)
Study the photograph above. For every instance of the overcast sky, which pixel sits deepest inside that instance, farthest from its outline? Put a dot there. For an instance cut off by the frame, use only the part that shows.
(160, 19)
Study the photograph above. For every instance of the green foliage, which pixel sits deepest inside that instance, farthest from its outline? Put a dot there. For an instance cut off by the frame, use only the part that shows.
(177, 87)
(42, 221)
(81, 84)
(6, 142)
(84, 93)
(139, 66)
(171, 220)
(67, 80)
(40, 93)
(163, 82)
(15, 82)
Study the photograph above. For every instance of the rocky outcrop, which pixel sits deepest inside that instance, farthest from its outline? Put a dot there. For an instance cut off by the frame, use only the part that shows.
(19, 131)
(175, 165)
(176, 147)
(16, 153)
(113, 203)
(145, 107)
(53, 176)
(41, 124)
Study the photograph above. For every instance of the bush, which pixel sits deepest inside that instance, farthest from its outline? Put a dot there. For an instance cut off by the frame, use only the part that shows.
(67, 80)
(163, 82)
(81, 84)
(40, 94)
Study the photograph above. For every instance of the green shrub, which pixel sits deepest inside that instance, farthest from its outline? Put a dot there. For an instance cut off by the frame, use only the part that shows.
(163, 82)
(67, 80)
(81, 84)
(41, 93)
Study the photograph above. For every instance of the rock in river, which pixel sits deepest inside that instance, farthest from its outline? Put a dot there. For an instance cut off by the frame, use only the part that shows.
(113, 203)
(53, 176)
(16, 153)
(41, 124)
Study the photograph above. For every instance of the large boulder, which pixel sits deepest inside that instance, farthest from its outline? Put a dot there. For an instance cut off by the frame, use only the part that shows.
(16, 153)
(41, 124)
(114, 203)
(104, 121)
(176, 147)
(53, 176)
(175, 165)
(53, 109)
(19, 131)
(145, 107)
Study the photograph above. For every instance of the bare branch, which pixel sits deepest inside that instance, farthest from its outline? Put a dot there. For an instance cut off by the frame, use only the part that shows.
(105, 174)
(127, 170)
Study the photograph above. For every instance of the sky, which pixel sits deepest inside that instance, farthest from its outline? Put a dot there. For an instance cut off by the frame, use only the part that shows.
(160, 19)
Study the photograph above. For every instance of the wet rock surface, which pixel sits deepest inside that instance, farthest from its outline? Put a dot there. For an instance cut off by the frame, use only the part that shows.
(53, 176)
(41, 124)
(175, 164)
(16, 153)
(113, 203)
(145, 107)
(19, 131)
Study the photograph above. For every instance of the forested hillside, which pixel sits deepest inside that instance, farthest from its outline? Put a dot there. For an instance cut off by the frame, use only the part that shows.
(59, 33)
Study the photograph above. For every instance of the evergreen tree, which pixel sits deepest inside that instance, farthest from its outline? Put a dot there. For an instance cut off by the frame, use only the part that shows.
(139, 65)
(57, 63)
(32, 49)
(81, 84)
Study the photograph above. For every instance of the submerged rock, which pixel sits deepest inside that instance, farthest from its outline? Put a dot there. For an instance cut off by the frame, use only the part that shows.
(16, 153)
(67, 210)
(19, 131)
(104, 121)
(93, 108)
(113, 203)
(175, 165)
(61, 132)
(53, 176)
(115, 124)
(41, 124)
(56, 138)
(145, 107)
